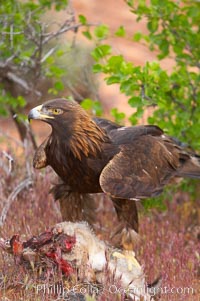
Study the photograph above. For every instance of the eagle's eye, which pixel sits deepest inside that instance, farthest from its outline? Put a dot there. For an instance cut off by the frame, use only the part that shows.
(56, 111)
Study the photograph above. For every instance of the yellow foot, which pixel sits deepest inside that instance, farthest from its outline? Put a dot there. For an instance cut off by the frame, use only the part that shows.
(129, 256)
(125, 238)
(129, 239)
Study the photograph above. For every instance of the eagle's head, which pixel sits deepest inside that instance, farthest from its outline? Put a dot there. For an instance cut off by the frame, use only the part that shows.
(53, 111)
(70, 123)
(59, 113)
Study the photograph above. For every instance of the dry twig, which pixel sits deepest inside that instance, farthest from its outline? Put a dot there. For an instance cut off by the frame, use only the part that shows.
(10, 159)
(23, 185)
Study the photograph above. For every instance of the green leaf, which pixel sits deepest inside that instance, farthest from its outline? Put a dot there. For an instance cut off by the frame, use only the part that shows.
(3, 111)
(113, 80)
(153, 25)
(59, 86)
(98, 108)
(82, 19)
(135, 101)
(137, 36)
(120, 31)
(115, 62)
(130, 2)
(101, 31)
(133, 119)
(53, 91)
(60, 52)
(164, 48)
(87, 104)
(61, 4)
(91, 105)
(137, 115)
(21, 101)
(87, 34)
(119, 116)
(101, 51)
(56, 71)
(97, 68)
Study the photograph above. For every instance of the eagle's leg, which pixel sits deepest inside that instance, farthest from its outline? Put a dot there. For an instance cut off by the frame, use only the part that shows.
(126, 234)
(74, 206)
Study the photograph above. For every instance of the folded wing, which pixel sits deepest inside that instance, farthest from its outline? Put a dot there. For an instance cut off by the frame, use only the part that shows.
(142, 168)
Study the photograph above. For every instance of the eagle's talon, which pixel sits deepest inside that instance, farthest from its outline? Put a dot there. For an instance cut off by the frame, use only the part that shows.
(125, 238)
(129, 256)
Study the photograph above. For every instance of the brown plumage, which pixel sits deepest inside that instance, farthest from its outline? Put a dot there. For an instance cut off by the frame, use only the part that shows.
(97, 155)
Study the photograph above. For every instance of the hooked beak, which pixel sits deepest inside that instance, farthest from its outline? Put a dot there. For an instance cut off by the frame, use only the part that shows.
(38, 113)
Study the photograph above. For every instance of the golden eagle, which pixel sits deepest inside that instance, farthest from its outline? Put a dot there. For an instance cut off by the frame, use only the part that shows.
(97, 155)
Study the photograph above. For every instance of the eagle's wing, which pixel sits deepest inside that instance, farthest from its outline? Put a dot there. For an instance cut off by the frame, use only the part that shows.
(141, 168)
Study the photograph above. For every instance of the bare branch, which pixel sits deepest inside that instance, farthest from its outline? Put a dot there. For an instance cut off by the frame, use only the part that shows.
(13, 33)
(75, 93)
(16, 79)
(23, 185)
(10, 161)
(13, 77)
(49, 53)
(64, 28)
(10, 59)
(27, 152)
(143, 94)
